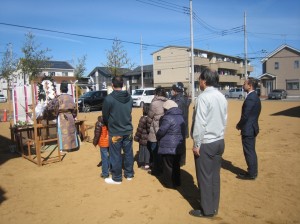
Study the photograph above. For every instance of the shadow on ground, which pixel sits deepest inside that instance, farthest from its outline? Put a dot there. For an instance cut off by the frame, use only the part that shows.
(5, 153)
(227, 165)
(291, 112)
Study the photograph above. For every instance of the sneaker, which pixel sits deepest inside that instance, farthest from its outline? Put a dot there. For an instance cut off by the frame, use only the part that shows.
(128, 178)
(111, 181)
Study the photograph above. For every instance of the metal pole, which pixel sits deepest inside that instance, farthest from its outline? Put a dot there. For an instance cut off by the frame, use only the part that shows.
(142, 69)
(245, 47)
(192, 51)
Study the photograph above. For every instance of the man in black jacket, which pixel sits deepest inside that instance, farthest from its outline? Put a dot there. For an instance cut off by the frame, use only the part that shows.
(248, 125)
(116, 111)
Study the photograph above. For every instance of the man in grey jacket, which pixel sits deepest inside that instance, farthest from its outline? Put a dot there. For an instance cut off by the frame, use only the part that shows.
(209, 122)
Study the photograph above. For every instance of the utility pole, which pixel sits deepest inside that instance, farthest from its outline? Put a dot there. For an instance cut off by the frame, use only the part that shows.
(192, 51)
(142, 68)
(245, 47)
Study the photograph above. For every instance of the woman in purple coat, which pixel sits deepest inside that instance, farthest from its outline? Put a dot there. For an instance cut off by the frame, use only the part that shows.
(171, 140)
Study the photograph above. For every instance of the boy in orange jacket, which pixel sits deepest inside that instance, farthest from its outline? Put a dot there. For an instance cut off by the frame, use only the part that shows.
(101, 139)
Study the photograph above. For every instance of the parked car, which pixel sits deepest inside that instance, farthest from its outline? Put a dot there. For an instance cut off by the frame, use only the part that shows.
(3, 99)
(277, 94)
(92, 100)
(235, 93)
(142, 96)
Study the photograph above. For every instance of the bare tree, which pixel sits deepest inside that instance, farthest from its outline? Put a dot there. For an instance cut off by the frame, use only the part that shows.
(117, 59)
(80, 67)
(8, 67)
(34, 59)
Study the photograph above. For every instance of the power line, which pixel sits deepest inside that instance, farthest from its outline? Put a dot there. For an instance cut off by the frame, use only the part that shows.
(164, 5)
(78, 35)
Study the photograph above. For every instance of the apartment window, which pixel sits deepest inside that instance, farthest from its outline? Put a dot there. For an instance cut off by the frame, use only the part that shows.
(296, 64)
(158, 58)
(292, 84)
(64, 73)
(276, 66)
(159, 72)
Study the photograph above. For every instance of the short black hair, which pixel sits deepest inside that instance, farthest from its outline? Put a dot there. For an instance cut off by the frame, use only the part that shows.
(117, 81)
(160, 91)
(211, 77)
(252, 82)
(64, 86)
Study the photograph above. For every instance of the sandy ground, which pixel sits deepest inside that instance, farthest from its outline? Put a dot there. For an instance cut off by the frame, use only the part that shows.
(71, 191)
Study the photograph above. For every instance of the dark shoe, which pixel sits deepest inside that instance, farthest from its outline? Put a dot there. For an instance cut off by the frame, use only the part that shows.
(246, 176)
(199, 213)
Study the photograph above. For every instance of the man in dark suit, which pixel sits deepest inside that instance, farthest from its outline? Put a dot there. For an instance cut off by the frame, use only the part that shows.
(248, 125)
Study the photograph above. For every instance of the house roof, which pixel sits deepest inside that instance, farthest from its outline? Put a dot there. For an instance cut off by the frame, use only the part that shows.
(104, 71)
(266, 76)
(58, 65)
(137, 70)
(197, 49)
(278, 50)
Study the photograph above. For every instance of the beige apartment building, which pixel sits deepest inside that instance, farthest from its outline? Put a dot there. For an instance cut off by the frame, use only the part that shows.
(172, 64)
(281, 70)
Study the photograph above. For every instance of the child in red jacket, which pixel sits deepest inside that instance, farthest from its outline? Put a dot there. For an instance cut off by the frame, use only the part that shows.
(101, 139)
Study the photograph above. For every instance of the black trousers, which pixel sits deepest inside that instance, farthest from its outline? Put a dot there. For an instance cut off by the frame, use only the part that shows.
(171, 170)
(250, 154)
(208, 166)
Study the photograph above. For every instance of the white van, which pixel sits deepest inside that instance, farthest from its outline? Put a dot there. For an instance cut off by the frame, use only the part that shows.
(235, 93)
(141, 96)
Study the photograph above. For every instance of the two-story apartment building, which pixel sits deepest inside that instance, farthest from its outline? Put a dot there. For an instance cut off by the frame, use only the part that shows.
(172, 64)
(281, 70)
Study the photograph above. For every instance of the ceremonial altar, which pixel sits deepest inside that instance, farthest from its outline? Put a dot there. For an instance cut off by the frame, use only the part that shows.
(36, 137)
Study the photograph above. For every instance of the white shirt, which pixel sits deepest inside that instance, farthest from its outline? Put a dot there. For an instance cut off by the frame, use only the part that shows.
(210, 117)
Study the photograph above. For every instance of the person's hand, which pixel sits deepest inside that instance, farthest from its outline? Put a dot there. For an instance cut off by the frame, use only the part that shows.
(196, 151)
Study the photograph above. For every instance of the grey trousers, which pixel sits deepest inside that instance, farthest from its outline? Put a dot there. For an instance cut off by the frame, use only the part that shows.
(208, 166)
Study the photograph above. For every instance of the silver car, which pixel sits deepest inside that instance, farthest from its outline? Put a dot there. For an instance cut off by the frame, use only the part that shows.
(277, 94)
(235, 93)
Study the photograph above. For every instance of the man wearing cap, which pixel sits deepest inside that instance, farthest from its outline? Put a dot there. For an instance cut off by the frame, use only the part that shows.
(183, 104)
(209, 122)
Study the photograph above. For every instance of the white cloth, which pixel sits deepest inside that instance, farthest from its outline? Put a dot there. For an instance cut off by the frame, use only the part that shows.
(210, 117)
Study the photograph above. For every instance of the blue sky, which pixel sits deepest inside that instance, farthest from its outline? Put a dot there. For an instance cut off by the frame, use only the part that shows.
(270, 23)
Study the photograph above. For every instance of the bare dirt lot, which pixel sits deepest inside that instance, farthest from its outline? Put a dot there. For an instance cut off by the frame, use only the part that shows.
(72, 192)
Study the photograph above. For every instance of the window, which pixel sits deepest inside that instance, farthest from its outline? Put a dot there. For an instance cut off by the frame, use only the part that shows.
(51, 73)
(64, 73)
(158, 58)
(292, 84)
(296, 64)
(149, 92)
(159, 72)
(276, 65)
